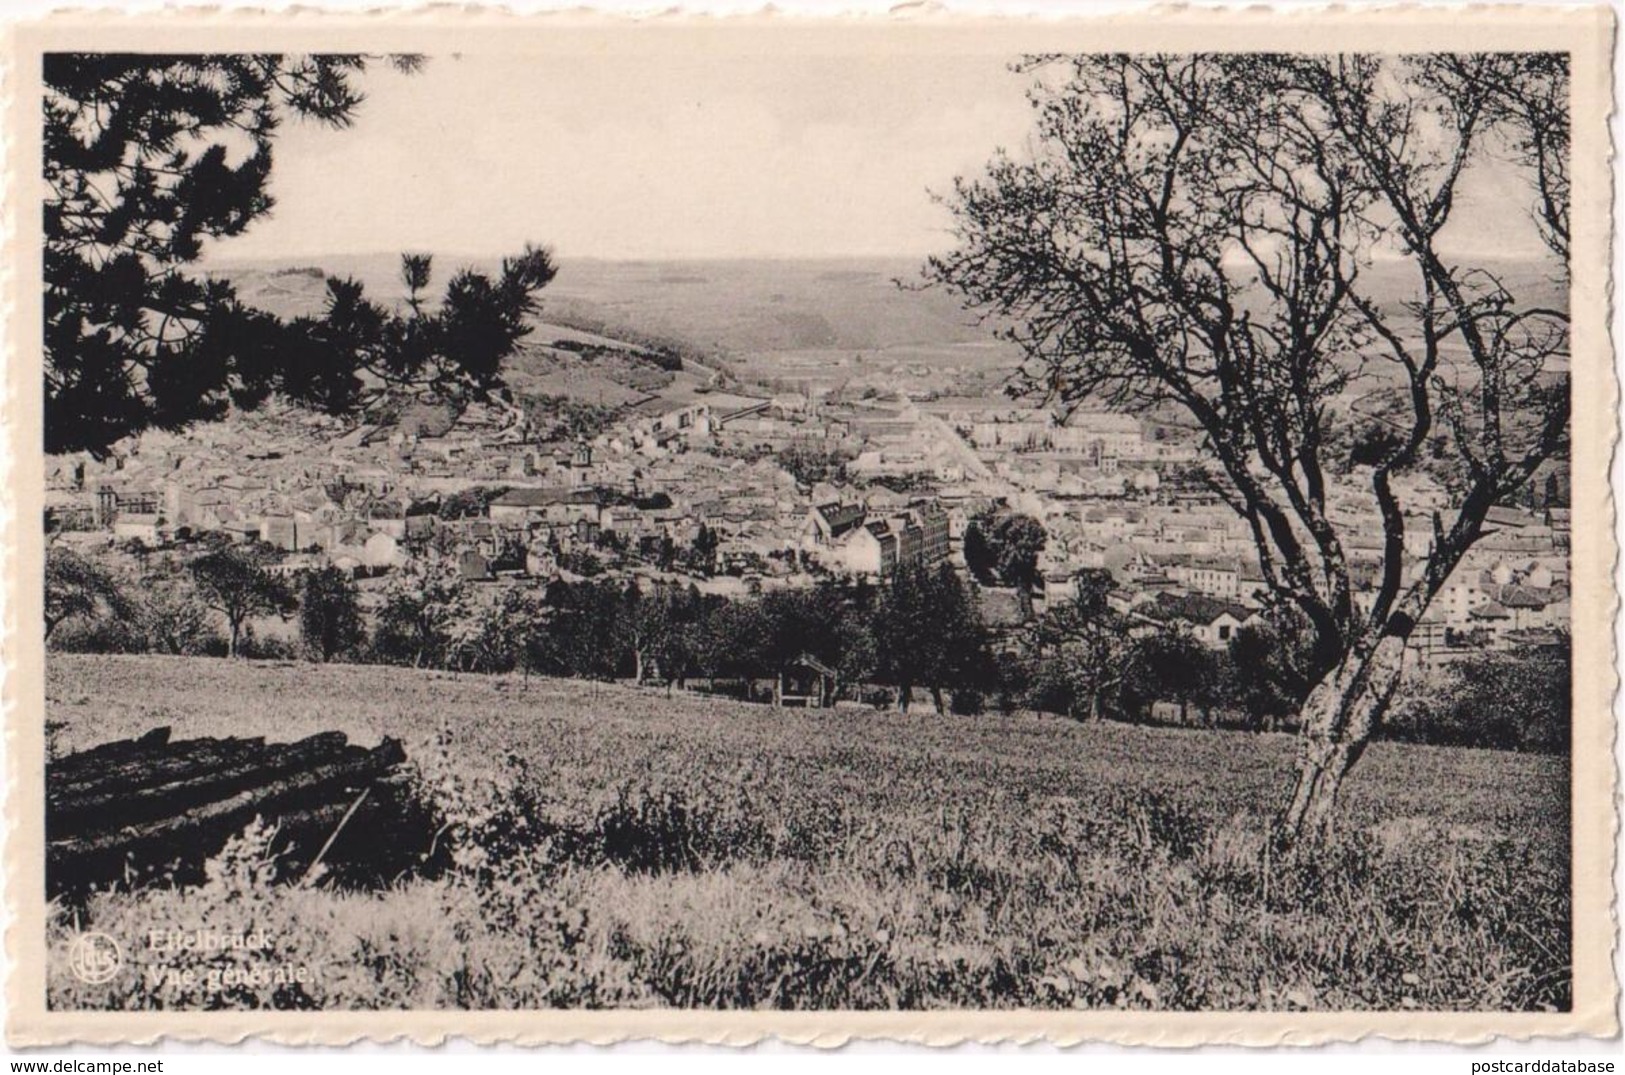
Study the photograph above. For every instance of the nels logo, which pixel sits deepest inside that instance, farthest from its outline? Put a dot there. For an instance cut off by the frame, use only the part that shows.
(95, 958)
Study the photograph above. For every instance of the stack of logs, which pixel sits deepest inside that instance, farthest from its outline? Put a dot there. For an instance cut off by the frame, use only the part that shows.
(137, 810)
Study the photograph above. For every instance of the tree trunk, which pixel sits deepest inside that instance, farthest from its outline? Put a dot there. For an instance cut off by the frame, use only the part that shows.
(1338, 719)
(231, 642)
(905, 694)
(936, 699)
(1024, 600)
(637, 667)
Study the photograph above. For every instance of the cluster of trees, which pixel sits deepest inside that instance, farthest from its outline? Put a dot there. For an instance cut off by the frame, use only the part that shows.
(1080, 658)
(168, 609)
(471, 503)
(555, 418)
(1517, 701)
(701, 555)
(180, 609)
(78, 587)
(1004, 547)
(920, 630)
(702, 551)
(810, 462)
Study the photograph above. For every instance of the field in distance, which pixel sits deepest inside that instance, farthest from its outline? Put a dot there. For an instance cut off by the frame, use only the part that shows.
(731, 855)
(790, 325)
(785, 325)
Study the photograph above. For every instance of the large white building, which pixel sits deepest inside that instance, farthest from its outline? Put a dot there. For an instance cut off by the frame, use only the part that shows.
(1097, 435)
(849, 538)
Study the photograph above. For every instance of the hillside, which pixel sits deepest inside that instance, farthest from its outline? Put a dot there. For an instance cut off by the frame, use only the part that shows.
(727, 306)
(724, 855)
(787, 325)
(556, 725)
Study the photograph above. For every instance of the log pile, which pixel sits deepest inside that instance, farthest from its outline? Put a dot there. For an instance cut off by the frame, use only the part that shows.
(136, 810)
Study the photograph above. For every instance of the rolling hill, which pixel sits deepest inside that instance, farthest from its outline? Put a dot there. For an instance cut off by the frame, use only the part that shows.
(785, 324)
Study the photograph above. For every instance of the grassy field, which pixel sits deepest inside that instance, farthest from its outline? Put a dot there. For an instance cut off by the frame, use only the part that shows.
(729, 855)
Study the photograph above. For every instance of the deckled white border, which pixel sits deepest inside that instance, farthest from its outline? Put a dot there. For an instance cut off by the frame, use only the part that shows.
(1588, 32)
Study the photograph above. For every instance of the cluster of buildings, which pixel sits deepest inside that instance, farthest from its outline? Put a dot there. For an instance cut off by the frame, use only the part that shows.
(697, 462)
(1500, 598)
(853, 538)
(1097, 437)
(366, 499)
(1109, 493)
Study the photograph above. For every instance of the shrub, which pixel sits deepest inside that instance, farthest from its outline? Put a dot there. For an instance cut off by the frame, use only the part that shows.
(1504, 701)
(269, 647)
(97, 634)
(649, 830)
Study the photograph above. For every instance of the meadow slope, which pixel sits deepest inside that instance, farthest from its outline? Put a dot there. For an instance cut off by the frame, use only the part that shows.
(723, 854)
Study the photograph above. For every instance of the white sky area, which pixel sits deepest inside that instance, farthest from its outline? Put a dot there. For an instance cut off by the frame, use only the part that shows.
(664, 155)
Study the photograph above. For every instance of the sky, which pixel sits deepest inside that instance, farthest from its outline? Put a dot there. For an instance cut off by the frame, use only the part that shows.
(643, 157)
(668, 154)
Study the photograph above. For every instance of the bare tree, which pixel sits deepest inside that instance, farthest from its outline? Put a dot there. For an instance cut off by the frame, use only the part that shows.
(1222, 234)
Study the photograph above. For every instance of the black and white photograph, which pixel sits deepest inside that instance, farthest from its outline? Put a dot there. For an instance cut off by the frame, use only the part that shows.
(817, 521)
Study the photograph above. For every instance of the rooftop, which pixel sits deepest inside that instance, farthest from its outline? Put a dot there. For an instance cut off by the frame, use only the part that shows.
(1191, 608)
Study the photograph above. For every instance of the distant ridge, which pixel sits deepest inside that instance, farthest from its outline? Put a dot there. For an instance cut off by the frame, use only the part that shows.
(751, 305)
(726, 306)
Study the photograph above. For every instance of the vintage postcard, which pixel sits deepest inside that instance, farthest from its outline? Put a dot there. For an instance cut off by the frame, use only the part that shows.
(937, 528)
